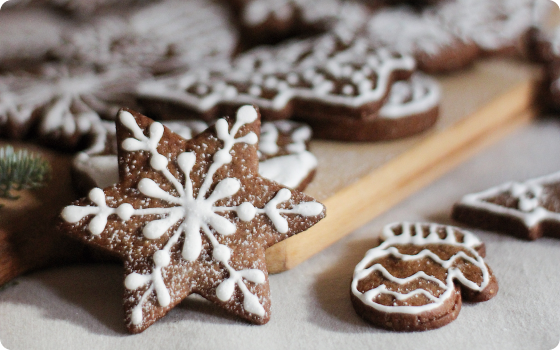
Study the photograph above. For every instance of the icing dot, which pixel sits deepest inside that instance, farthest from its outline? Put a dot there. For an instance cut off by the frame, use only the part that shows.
(125, 211)
(222, 157)
(348, 90)
(158, 162)
(255, 90)
(161, 258)
(221, 253)
(271, 82)
(246, 211)
(247, 114)
(292, 78)
(230, 92)
(225, 290)
(202, 89)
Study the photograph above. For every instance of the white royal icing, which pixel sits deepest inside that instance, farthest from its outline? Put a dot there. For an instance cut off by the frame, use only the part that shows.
(530, 194)
(196, 214)
(288, 170)
(308, 70)
(418, 95)
(387, 248)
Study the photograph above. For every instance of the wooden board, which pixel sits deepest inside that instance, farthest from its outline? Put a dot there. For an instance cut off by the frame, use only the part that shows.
(357, 182)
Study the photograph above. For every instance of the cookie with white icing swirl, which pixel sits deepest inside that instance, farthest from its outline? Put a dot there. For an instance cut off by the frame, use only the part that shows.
(529, 209)
(417, 277)
(412, 107)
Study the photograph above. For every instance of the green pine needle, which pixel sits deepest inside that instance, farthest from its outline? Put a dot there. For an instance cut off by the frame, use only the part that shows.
(21, 170)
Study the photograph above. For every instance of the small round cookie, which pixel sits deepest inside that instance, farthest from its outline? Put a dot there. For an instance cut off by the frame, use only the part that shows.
(411, 108)
(416, 279)
(283, 154)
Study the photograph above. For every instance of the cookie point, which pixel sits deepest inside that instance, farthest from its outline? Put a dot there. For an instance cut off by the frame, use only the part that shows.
(247, 114)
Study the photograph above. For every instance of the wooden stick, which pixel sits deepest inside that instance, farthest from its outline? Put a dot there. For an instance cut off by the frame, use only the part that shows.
(398, 179)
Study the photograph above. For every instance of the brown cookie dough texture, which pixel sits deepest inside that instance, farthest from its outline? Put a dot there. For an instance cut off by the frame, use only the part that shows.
(528, 210)
(338, 83)
(417, 277)
(284, 155)
(191, 216)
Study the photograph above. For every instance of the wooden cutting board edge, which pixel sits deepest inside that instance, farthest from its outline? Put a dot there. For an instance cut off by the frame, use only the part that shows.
(377, 192)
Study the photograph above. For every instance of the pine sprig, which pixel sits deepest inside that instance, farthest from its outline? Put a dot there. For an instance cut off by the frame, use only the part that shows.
(21, 170)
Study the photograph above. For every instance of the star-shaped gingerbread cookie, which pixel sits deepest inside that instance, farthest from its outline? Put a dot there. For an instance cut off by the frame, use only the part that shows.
(191, 217)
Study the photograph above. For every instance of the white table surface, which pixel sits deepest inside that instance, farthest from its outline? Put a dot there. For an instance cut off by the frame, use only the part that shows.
(80, 307)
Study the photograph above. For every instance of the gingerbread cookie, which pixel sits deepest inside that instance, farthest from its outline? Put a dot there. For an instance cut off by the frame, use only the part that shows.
(417, 277)
(191, 217)
(283, 154)
(161, 37)
(527, 210)
(60, 104)
(412, 107)
(452, 34)
(266, 21)
(305, 79)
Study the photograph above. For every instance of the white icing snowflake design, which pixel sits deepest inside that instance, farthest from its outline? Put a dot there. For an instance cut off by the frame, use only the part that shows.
(196, 215)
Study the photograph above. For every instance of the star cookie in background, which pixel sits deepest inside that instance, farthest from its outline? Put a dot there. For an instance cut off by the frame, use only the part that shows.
(417, 277)
(283, 154)
(159, 37)
(527, 209)
(308, 79)
(191, 217)
(60, 104)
